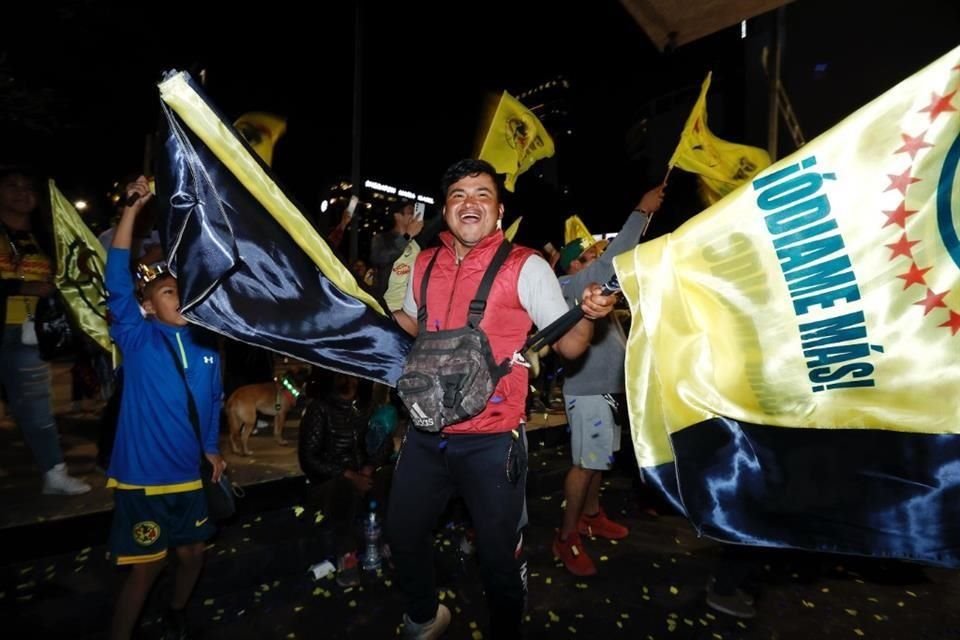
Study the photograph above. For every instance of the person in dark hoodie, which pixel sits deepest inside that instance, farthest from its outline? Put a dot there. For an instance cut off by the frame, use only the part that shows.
(344, 454)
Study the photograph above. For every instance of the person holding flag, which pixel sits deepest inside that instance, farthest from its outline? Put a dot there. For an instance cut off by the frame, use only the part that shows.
(483, 458)
(591, 382)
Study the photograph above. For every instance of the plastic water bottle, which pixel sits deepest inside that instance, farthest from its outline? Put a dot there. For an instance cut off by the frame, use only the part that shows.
(371, 560)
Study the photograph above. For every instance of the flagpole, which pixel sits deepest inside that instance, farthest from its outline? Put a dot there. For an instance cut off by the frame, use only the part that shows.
(357, 128)
(666, 176)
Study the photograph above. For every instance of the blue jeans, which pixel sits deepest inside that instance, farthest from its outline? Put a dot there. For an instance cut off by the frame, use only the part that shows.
(26, 379)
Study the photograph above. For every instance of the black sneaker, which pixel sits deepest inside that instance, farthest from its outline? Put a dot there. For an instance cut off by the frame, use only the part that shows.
(174, 625)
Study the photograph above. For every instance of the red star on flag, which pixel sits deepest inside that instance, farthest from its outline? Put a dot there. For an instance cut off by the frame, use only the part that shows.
(939, 104)
(914, 276)
(932, 301)
(953, 322)
(901, 182)
(903, 246)
(899, 216)
(913, 144)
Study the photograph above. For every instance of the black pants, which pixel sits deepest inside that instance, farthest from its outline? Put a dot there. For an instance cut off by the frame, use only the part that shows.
(490, 473)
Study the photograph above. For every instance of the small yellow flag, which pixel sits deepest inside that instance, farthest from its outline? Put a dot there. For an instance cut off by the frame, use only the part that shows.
(80, 268)
(261, 131)
(515, 140)
(511, 231)
(722, 166)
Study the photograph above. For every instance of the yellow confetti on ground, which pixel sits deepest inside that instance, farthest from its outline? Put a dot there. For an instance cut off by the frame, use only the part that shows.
(473, 625)
(808, 604)
(441, 596)
(388, 583)
(688, 622)
(246, 526)
(741, 624)
(549, 580)
(451, 595)
(852, 612)
(298, 511)
(215, 618)
(718, 636)
(872, 600)
(553, 617)
(674, 616)
(645, 597)
(317, 591)
(571, 630)
(348, 590)
(613, 542)
(858, 632)
(604, 558)
(291, 635)
(858, 581)
(476, 635)
(619, 624)
(879, 618)
(625, 616)
(318, 517)
(674, 590)
(579, 616)
(825, 590)
(702, 622)
(26, 570)
(352, 603)
(671, 625)
(264, 587)
(257, 519)
(607, 600)
(710, 616)
(208, 602)
(911, 593)
(581, 585)
(899, 603)
(656, 566)
(86, 550)
(526, 618)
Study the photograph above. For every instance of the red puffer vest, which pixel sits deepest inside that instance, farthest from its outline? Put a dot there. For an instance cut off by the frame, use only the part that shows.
(505, 321)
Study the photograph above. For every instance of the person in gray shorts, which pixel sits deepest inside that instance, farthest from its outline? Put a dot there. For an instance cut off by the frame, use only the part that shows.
(594, 432)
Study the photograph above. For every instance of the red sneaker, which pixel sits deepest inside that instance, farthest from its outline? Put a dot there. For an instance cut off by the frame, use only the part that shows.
(574, 558)
(601, 526)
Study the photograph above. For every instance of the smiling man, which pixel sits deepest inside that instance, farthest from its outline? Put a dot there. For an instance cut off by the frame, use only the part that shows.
(482, 458)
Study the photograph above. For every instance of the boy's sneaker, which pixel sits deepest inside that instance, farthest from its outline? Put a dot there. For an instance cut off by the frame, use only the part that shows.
(56, 481)
(174, 625)
(737, 604)
(348, 570)
(601, 526)
(574, 558)
(427, 630)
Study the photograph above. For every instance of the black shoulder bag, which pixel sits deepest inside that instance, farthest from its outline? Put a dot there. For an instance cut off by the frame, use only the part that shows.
(220, 495)
(450, 375)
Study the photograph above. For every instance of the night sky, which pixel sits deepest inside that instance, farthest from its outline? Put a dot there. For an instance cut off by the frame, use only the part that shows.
(77, 95)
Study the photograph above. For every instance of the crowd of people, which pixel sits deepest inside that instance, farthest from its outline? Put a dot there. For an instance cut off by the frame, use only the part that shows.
(354, 448)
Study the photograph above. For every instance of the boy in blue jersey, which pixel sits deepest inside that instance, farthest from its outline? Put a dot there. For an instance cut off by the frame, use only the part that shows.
(159, 501)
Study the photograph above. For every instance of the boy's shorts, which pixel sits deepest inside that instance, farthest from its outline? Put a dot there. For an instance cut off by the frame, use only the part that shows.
(594, 432)
(144, 527)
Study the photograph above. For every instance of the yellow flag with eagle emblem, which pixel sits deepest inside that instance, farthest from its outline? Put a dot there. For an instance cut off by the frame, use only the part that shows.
(792, 365)
(721, 166)
(80, 268)
(515, 140)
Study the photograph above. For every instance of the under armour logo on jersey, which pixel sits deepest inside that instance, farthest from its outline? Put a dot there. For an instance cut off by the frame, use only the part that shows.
(208, 359)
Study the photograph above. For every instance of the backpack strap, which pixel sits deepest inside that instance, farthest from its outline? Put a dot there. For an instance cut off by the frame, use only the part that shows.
(422, 308)
(479, 304)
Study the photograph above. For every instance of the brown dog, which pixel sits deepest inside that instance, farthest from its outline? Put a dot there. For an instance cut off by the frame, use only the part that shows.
(268, 398)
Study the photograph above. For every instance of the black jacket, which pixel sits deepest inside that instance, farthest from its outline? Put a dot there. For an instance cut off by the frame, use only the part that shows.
(332, 439)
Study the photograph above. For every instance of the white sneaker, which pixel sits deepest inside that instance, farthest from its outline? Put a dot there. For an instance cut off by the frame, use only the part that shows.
(56, 481)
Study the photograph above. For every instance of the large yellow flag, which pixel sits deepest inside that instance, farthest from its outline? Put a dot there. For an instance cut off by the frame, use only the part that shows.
(261, 131)
(80, 269)
(722, 166)
(792, 366)
(515, 140)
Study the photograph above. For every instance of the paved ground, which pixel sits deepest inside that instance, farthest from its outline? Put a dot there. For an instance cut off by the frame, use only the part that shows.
(56, 583)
